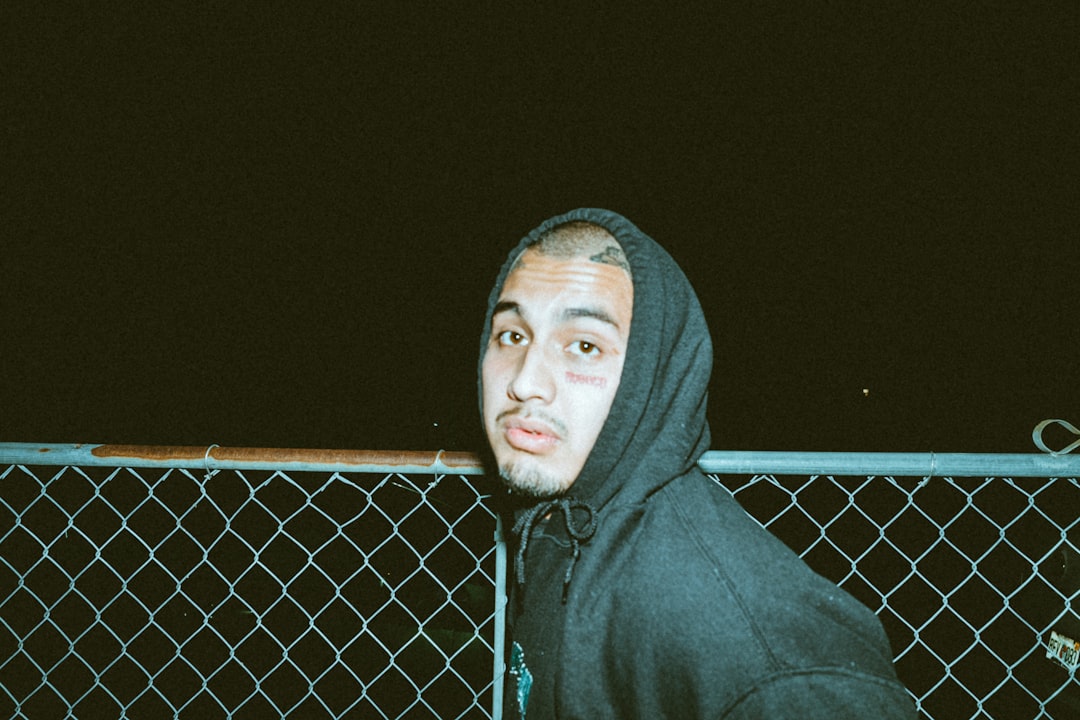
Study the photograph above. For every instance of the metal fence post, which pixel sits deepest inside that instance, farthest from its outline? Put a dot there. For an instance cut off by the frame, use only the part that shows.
(500, 621)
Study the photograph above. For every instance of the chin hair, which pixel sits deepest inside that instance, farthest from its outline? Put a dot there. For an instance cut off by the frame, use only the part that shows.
(531, 481)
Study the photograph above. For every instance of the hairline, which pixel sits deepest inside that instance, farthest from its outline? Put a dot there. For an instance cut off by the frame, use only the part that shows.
(579, 239)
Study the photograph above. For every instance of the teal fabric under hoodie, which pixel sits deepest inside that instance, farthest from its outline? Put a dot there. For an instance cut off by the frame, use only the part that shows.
(678, 604)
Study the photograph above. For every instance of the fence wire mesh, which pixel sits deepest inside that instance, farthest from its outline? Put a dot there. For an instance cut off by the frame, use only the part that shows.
(148, 593)
(969, 576)
(171, 592)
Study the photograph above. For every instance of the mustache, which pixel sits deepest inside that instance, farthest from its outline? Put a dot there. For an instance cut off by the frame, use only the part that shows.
(557, 425)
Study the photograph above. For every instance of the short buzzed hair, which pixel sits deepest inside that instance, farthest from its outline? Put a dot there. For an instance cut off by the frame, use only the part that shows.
(579, 238)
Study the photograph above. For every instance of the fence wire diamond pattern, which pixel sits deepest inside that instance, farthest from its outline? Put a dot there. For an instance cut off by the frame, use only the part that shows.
(969, 576)
(145, 593)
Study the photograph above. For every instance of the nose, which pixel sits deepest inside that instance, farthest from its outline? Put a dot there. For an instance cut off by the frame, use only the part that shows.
(533, 377)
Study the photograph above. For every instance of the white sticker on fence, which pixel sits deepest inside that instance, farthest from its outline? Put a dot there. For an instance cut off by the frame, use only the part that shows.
(1064, 650)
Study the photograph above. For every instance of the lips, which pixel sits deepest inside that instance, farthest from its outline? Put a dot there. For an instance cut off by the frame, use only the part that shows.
(530, 435)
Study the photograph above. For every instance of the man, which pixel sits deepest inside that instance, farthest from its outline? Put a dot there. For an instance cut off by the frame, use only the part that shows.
(642, 590)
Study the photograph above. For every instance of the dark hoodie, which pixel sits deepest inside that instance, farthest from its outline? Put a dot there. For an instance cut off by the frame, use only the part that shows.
(648, 592)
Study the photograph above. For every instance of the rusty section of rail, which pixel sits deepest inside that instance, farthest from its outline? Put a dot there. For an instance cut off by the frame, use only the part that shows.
(216, 457)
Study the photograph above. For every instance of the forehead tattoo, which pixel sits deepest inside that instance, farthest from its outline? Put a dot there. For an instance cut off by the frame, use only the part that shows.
(612, 255)
(579, 239)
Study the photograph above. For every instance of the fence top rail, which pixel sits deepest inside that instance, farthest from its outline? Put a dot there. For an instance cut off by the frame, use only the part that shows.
(734, 462)
(216, 457)
(927, 464)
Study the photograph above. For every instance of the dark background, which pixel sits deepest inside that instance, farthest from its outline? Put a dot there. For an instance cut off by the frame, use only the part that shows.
(276, 224)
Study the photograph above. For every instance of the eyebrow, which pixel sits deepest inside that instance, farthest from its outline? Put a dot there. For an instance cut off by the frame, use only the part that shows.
(571, 313)
(588, 312)
(506, 306)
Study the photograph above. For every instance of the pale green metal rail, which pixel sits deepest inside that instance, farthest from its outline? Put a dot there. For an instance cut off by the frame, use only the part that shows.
(214, 457)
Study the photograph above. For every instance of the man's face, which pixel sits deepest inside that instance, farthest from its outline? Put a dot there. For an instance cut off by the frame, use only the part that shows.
(552, 366)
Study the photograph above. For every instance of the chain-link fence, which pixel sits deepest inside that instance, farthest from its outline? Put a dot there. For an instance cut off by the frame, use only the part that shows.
(153, 592)
(218, 585)
(968, 576)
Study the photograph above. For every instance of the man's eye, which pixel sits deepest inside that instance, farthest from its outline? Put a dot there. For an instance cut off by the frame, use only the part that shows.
(511, 337)
(584, 347)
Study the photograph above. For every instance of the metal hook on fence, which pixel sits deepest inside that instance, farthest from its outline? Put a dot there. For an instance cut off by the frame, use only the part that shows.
(933, 467)
(1036, 436)
(206, 462)
(435, 468)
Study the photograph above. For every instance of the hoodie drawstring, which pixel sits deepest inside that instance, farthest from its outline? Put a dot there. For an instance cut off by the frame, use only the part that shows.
(523, 529)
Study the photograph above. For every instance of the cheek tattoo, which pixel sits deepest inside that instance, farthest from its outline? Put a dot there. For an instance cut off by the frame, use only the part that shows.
(594, 380)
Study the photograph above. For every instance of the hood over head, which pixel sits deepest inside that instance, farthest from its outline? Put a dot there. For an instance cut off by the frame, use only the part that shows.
(656, 429)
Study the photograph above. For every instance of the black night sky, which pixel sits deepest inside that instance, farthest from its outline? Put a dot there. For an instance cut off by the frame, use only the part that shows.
(272, 224)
